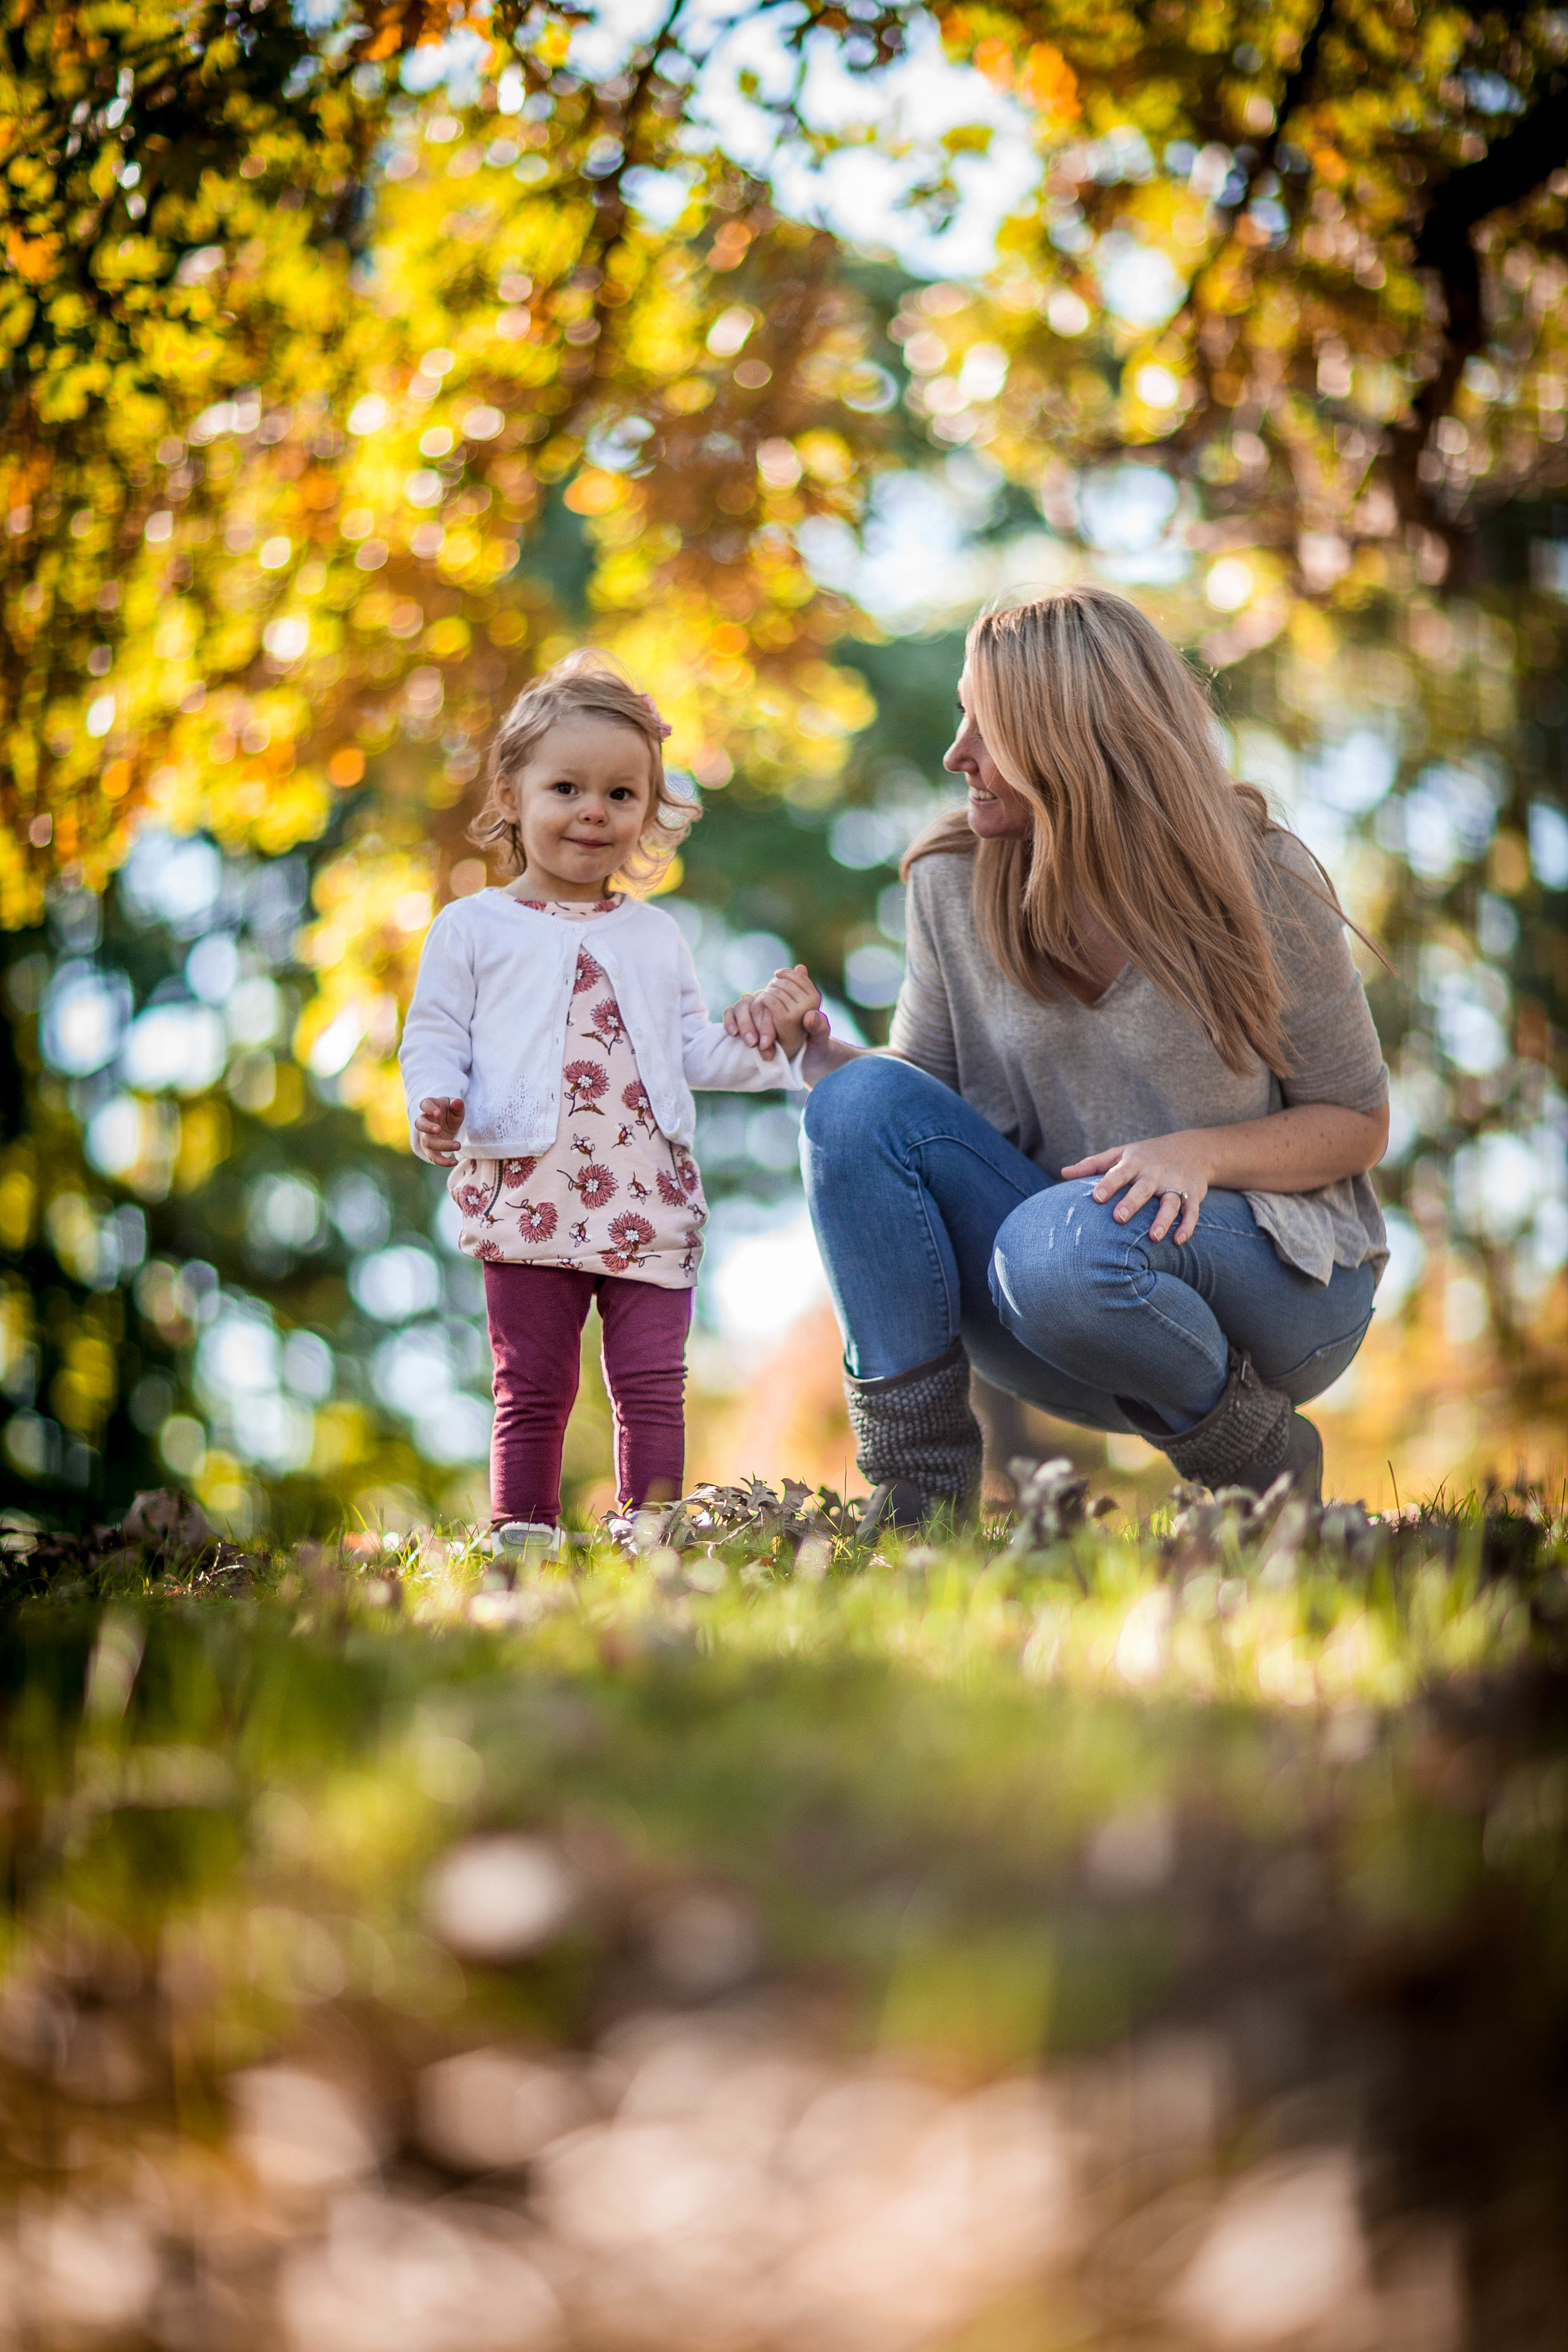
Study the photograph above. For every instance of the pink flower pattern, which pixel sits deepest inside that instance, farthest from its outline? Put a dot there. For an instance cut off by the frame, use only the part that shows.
(635, 1097)
(595, 1186)
(607, 1021)
(583, 1083)
(629, 1238)
(575, 1212)
(475, 1199)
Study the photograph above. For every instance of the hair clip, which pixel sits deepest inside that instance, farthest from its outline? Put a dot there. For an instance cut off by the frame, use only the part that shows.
(663, 725)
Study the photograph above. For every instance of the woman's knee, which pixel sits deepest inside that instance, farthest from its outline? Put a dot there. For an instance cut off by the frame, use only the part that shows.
(1057, 1260)
(872, 1094)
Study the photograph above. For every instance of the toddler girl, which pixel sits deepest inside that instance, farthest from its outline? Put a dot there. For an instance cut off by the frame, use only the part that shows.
(556, 1031)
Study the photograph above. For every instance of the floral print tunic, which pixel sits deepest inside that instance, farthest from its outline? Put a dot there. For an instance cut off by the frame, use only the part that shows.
(613, 1195)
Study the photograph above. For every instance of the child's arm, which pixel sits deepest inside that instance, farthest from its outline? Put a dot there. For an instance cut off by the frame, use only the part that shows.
(713, 1054)
(437, 1051)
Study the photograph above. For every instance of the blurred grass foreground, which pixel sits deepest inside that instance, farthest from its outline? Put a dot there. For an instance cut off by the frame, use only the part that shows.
(1090, 1932)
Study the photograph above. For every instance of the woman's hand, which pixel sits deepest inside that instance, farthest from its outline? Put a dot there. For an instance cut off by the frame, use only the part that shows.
(1172, 1167)
(435, 1129)
(794, 1001)
(1297, 1149)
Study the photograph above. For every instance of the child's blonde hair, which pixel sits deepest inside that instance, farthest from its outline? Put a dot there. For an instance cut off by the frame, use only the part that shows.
(586, 684)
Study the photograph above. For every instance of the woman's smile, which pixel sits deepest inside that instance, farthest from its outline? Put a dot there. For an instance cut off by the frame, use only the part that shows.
(996, 812)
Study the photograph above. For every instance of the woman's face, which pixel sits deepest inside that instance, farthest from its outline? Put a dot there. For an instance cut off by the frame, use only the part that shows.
(996, 811)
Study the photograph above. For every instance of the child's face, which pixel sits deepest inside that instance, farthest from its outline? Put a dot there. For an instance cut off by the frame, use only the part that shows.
(581, 805)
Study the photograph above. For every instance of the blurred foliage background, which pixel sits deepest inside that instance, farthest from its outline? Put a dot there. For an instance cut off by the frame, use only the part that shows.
(355, 364)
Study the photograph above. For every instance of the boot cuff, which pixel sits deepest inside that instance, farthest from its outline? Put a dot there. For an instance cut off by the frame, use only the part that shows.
(1243, 1439)
(892, 1382)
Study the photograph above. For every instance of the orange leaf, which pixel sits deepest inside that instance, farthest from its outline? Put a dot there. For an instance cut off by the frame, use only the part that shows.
(32, 257)
(401, 25)
(1048, 82)
(994, 59)
(594, 492)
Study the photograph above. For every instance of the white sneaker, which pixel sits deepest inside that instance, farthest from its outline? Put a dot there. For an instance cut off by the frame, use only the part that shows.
(521, 1539)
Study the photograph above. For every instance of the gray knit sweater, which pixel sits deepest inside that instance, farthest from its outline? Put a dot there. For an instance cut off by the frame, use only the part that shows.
(1063, 1079)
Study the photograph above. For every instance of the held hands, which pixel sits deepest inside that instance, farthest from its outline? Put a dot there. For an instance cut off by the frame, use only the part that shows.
(435, 1129)
(1171, 1168)
(788, 1013)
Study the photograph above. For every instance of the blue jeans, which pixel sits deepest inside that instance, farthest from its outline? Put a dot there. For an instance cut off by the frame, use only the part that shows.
(932, 1227)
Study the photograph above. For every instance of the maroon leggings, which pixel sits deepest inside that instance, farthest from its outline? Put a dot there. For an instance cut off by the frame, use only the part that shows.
(536, 1317)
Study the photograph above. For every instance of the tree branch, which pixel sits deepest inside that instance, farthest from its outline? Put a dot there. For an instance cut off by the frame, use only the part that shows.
(1297, 82)
(610, 207)
(1508, 173)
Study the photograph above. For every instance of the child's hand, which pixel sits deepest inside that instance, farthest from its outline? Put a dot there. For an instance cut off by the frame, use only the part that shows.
(435, 1129)
(781, 1014)
(750, 1020)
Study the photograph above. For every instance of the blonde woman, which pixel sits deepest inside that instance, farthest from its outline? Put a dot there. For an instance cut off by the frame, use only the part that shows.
(1116, 1153)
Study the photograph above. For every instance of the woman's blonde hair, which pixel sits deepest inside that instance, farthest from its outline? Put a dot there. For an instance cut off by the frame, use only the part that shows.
(585, 684)
(1104, 732)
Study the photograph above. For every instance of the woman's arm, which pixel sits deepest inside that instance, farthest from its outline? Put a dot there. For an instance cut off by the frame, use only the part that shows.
(1294, 1151)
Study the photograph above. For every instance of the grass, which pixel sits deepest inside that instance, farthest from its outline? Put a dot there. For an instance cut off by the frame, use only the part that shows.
(1170, 1868)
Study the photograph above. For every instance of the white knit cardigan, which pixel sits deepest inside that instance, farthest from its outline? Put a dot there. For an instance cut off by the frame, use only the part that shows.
(489, 1019)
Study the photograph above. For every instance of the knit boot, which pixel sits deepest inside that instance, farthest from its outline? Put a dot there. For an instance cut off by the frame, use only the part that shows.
(917, 1440)
(1249, 1438)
